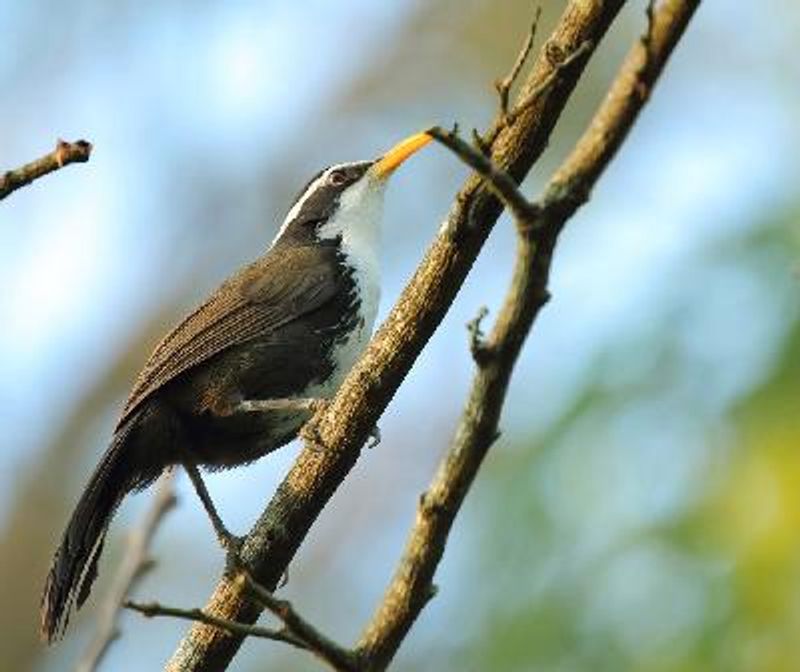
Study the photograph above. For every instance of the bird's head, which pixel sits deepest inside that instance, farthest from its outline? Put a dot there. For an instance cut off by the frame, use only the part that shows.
(345, 202)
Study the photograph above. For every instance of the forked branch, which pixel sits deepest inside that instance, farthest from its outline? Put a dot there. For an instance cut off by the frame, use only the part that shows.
(370, 385)
(411, 586)
(295, 630)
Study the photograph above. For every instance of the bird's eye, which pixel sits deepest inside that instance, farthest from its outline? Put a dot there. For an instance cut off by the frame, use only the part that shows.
(337, 178)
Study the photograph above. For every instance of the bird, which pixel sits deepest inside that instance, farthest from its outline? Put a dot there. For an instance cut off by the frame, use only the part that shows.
(238, 377)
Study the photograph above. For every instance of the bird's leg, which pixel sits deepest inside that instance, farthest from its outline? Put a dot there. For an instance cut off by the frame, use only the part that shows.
(311, 405)
(230, 543)
(276, 405)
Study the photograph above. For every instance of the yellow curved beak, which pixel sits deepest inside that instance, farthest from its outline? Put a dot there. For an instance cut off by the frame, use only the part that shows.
(387, 164)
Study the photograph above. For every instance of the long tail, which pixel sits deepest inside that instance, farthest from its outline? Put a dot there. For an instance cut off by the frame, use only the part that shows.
(74, 567)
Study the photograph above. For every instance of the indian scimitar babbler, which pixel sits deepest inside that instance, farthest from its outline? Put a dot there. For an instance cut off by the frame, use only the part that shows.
(290, 325)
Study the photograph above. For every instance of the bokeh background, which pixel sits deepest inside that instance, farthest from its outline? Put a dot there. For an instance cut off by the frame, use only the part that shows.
(641, 510)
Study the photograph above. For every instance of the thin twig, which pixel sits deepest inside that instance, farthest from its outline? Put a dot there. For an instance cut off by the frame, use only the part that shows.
(501, 183)
(155, 609)
(532, 96)
(338, 657)
(64, 154)
(503, 86)
(136, 563)
(558, 70)
(295, 631)
(647, 42)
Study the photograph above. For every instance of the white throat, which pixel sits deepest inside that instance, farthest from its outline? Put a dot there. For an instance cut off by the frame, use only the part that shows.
(357, 224)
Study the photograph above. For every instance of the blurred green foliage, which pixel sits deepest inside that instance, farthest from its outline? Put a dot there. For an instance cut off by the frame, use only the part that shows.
(711, 581)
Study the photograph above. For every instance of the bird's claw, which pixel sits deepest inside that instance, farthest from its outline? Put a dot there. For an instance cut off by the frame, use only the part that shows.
(374, 437)
(232, 545)
(310, 434)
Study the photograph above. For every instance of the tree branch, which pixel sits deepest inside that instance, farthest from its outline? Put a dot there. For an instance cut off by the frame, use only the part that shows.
(503, 86)
(135, 564)
(412, 584)
(64, 154)
(314, 641)
(154, 609)
(477, 345)
(344, 426)
(296, 630)
(499, 181)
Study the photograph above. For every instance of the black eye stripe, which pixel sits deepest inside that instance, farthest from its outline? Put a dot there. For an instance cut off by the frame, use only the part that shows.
(321, 194)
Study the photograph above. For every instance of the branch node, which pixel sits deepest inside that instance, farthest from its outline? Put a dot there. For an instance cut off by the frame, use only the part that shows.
(147, 566)
(155, 609)
(544, 297)
(296, 627)
(564, 197)
(430, 505)
(496, 179)
(479, 142)
(477, 345)
(643, 76)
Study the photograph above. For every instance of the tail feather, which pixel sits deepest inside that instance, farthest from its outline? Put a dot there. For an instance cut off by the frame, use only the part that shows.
(74, 567)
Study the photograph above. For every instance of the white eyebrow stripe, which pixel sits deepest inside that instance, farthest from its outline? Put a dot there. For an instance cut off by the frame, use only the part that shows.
(298, 206)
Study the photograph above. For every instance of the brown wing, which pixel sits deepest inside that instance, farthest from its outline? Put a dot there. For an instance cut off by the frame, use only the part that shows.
(254, 303)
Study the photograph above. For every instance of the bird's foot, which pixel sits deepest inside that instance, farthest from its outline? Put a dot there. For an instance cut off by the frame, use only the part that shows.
(232, 545)
(310, 431)
(310, 434)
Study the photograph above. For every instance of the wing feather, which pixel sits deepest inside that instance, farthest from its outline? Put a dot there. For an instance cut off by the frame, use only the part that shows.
(254, 303)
